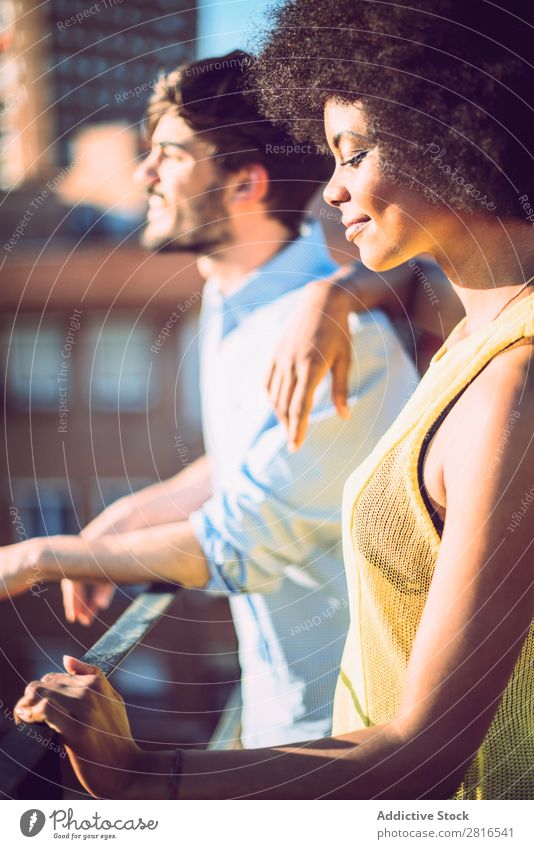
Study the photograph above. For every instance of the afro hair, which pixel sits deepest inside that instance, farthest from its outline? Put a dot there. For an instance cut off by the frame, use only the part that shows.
(446, 86)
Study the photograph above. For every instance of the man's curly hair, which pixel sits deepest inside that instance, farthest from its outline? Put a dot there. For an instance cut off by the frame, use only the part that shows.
(446, 86)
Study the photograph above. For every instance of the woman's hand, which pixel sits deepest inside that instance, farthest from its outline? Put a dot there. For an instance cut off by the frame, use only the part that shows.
(91, 717)
(316, 342)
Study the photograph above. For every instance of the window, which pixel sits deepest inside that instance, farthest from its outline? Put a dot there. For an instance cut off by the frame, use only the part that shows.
(46, 507)
(33, 357)
(119, 363)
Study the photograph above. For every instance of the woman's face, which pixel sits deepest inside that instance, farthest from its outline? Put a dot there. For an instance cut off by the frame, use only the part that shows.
(388, 222)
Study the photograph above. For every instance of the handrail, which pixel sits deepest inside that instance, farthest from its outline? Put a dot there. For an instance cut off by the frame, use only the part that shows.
(112, 649)
(21, 754)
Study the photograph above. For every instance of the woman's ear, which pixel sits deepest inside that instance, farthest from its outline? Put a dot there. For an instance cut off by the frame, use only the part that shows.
(251, 184)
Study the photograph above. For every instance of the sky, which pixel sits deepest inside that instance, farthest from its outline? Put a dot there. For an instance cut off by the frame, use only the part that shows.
(225, 25)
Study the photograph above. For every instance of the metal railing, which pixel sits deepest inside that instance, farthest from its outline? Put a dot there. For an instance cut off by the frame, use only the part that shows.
(30, 770)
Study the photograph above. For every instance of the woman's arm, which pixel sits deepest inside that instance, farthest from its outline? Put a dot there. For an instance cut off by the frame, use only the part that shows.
(477, 615)
(317, 339)
(91, 717)
(479, 610)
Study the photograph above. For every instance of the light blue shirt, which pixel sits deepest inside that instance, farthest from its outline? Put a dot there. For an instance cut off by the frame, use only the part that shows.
(272, 530)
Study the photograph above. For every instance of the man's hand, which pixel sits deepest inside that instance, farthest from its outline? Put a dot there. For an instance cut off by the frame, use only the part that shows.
(317, 341)
(91, 717)
(161, 503)
(83, 601)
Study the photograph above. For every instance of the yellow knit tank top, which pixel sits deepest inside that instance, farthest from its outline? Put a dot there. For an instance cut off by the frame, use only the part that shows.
(390, 549)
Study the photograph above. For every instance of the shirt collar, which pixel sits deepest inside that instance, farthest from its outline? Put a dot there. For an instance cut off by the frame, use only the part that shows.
(304, 259)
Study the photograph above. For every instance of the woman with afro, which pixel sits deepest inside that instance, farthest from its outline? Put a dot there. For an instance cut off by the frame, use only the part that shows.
(427, 111)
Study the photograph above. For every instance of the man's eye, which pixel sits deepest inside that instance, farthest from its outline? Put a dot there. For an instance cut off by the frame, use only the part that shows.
(171, 153)
(356, 159)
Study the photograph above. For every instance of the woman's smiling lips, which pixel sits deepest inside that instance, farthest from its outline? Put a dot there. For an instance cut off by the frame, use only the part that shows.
(355, 226)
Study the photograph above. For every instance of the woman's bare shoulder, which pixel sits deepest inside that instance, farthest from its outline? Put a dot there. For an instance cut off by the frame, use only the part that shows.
(489, 438)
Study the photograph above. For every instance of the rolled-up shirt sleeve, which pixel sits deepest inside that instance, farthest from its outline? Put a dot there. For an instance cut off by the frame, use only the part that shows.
(279, 510)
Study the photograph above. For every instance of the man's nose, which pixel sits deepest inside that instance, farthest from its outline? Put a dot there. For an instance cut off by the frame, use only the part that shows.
(146, 173)
(334, 192)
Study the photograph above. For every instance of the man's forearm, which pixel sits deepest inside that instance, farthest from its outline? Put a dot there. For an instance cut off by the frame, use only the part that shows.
(174, 499)
(166, 501)
(168, 552)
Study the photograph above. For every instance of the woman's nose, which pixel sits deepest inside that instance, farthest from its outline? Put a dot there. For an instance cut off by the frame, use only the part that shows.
(335, 193)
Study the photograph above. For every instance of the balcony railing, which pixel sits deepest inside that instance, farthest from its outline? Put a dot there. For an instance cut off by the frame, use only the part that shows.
(31, 770)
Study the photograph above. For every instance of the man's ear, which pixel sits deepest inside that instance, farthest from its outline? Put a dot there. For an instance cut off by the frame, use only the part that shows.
(250, 184)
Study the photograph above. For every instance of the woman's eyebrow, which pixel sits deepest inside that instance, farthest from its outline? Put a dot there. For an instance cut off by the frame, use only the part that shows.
(337, 138)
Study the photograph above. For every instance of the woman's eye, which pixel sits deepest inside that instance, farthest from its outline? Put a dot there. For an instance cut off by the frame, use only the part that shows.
(356, 159)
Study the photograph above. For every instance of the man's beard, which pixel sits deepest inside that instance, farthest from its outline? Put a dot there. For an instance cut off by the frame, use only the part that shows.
(199, 247)
(203, 229)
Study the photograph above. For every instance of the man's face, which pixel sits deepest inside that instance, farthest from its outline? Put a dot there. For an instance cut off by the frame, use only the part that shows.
(186, 195)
